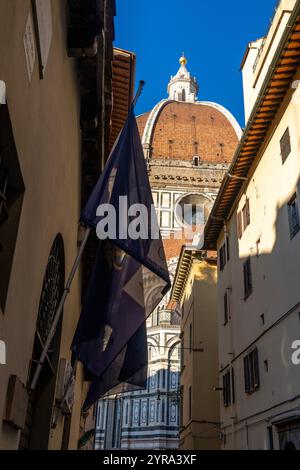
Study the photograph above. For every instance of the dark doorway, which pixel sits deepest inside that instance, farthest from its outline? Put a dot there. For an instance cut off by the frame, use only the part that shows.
(289, 446)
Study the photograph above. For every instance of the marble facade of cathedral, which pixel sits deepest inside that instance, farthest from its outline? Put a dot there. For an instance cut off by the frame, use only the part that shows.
(188, 145)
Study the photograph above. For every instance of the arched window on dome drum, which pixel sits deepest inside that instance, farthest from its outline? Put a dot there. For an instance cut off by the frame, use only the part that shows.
(196, 160)
(183, 96)
(193, 209)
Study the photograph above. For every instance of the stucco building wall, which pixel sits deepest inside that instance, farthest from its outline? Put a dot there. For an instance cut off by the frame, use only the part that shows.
(200, 424)
(269, 318)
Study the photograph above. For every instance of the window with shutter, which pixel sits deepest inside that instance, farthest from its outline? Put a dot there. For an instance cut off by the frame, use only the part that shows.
(244, 219)
(293, 214)
(251, 371)
(246, 374)
(247, 278)
(285, 145)
(225, 307)
(247, 211)
(239, 225)
(227, 399)
(227, 248)
(256, 368)
(246, 215)
(222, 257)
(224, 391)
(232, 387)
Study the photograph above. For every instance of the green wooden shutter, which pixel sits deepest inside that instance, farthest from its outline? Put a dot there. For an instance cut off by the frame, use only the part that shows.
(246, 374)
(256, 368)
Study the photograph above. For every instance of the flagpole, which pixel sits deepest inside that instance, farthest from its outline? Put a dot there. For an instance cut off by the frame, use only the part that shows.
(138, 93)
(67, 289)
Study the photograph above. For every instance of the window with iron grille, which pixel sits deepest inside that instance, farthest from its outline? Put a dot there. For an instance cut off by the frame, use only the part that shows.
(251, 371)
(293, 213)
(11, 199)
(41, 400)
(247, 278)
(222, 257)
(285, 145)
(52, 290)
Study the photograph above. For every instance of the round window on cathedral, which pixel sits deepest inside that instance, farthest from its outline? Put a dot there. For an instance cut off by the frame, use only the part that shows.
(193, 210)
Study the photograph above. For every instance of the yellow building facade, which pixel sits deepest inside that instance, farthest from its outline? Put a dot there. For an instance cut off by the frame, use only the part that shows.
(195, 290)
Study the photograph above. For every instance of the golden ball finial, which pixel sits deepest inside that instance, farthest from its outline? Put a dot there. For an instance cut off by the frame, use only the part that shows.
(183, 59)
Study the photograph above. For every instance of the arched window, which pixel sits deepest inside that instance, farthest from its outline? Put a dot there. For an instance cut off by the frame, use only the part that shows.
(196, 160)
(39, 412)
(183, 96)
(192, 209)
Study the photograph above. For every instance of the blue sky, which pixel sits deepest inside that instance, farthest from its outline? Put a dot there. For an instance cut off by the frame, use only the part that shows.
(213, 35)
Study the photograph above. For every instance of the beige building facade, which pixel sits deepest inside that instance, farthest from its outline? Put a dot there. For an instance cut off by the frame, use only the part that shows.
(52, 148)
(256, 228)
(44, 143)
(195, 291)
